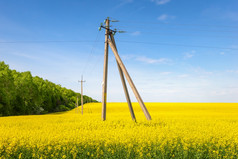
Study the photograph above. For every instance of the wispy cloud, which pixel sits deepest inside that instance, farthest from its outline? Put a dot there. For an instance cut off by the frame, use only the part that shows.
(124, 2)
(183, 75)
(160, 2)
(127, 57)
(233, 16)
(163, 17)
(188, 55)
(153, 61)
(232, 71)
(165, 73)
(221, 13)
(136, 33)
(26, 56)
(201, 72)
(147, 60)
(234, 46)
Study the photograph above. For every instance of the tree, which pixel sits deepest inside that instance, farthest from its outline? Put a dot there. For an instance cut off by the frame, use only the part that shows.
(7, 93)
(21, 93)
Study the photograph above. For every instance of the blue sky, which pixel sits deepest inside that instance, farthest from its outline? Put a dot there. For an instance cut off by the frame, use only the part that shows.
(175, 51)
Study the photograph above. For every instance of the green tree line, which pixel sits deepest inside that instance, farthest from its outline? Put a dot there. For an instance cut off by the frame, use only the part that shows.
(23, 94)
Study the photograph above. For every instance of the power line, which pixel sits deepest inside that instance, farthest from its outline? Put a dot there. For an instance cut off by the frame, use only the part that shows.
(183, 45)
(153, 43)
(180, 24)
(90, 70)
(91, 52)
(170, 44)
(47, 41)
(172, 34)
(177, 29)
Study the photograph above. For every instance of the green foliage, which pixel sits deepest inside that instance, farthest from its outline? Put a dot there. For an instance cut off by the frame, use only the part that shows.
(63, 108)
(21, 94)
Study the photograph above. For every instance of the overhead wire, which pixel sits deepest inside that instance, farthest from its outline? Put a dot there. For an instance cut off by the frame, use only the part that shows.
(165, 34)
(91, 52)
(87, 61)
(177, 34)
(177, 29)
(47, 41)
(141, 42)
(179, 24)
(172, 44)
(96, 63)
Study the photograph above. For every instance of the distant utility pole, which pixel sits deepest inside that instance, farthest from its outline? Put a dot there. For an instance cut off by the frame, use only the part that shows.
(122, 71)
(77, 104)
(81, 94)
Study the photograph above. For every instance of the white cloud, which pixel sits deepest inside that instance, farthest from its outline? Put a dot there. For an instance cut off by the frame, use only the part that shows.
(165, 73)
(136, 33)
(163, 17)
(153, 61)
(160, 2)
(127, 57)
(124, 2)
(183, 75)
(221, 13)
(147, 60)
(233, 16)
(234, 46)
(201, 72)
(222, 53)
(188, 55)
(232, 71)
(25, 55)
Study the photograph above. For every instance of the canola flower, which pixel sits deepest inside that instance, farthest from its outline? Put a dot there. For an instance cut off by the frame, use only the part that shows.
(177, 130)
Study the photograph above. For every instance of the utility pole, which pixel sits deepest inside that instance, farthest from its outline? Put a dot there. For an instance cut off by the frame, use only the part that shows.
(122, 70)
(77, 104)
(81, 94)
(105, 68)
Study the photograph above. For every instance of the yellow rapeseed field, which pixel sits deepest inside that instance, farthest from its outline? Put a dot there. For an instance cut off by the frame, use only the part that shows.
(177, 130)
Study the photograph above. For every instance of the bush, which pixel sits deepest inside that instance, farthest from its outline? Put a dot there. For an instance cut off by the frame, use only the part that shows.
(63, 108)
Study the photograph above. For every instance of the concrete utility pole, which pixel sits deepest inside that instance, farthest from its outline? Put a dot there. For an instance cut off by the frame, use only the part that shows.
(105, 68)
(81, 94)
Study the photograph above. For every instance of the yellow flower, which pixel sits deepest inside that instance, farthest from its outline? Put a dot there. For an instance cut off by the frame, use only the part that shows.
(174, 127)
(20, 155)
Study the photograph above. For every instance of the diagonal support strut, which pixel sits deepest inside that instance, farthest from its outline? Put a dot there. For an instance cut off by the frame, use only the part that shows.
(124, 83)
(123, 68)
